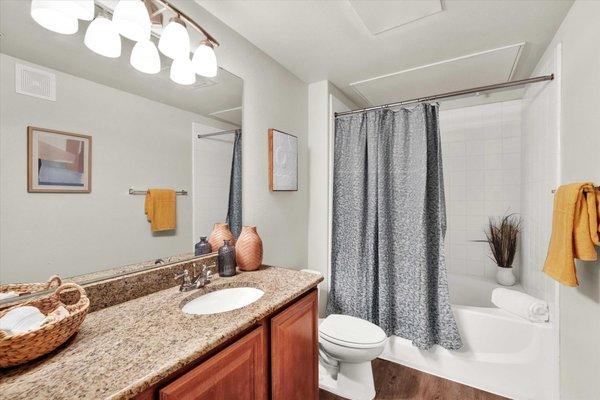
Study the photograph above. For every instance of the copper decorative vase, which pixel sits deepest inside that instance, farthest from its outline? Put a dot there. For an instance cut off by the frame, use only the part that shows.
(219, 234)
(249, 249)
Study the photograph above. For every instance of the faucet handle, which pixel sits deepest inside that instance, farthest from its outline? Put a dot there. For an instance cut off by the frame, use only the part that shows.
(185, 275)
(207, 272)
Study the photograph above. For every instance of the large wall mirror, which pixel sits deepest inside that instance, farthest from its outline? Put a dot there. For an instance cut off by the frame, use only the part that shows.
(72, 119)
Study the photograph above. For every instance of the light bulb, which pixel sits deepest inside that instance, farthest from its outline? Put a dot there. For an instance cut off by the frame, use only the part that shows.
(182, 71)
(102, 37)
(145, 58)
(55, 15)
(174, 40)
(81, 9)
(205, 60)
(132, 20)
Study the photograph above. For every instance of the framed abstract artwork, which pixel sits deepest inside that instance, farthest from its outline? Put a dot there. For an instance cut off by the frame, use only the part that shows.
(58, 162)
(283, 161)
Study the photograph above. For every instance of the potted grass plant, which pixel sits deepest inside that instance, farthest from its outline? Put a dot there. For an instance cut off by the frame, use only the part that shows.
(502, 234)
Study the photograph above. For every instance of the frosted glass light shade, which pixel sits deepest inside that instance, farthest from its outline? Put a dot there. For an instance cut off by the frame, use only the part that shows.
(175, 41)
(81, 9)
(205, 61)
(54, 15)
(145, 58)
(182, 71)
(132, 20)
(102, 37)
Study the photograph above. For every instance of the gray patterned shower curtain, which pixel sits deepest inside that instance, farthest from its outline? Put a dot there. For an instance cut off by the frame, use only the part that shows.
(389, 223)
(234, 207)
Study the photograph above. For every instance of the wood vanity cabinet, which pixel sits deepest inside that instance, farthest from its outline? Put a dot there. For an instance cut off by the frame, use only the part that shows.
(237, 372)
(277, 360)
(294, 352)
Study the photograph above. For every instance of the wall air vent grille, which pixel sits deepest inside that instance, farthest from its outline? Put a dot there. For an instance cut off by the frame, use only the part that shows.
(35, 82)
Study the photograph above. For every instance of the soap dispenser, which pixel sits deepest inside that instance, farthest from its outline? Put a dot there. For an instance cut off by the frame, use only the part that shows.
(226, 259)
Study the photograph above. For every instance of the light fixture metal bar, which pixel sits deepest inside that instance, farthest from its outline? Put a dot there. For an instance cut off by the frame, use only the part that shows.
(190, 21)
(452, 94)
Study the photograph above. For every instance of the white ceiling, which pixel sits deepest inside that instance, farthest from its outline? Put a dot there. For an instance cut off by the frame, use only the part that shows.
(397, 13)
(473, 70)
(23, 38)
(349, 41)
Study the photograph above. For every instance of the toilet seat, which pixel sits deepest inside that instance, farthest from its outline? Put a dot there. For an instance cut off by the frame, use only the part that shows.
(352, 332)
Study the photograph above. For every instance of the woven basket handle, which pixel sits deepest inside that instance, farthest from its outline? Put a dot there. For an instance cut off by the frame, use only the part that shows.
(54, 281)
(68, 286)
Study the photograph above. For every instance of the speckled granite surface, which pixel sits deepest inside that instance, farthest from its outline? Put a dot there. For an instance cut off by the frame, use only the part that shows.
(114, 286)
(122, 350)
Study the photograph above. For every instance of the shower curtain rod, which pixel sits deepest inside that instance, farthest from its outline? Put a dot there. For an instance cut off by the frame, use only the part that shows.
(452, 94)
(217, 133)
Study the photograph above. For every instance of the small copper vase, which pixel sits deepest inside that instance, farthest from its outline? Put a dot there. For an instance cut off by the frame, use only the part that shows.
(219, 234)
(249, 249)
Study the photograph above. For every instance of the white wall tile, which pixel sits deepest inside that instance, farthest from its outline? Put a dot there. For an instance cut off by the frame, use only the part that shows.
(475, 147)
(493, 146)
(482, 172)
(511, 145)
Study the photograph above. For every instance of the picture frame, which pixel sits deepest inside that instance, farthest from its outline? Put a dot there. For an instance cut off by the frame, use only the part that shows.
(283, 161)
(58, 162)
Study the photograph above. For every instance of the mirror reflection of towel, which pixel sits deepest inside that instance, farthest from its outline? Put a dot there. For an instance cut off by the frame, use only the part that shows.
(160, 207)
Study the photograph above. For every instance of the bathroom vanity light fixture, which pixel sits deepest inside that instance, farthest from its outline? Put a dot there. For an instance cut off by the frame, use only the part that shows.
(182, 71)
(103, 38)
(145, 58)
(205, 60)
(57, 16)
(175, 41)
(133, 20)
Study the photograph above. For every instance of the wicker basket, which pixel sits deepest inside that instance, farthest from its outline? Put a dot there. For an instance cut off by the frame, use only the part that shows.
(17, 349)
(27, 288)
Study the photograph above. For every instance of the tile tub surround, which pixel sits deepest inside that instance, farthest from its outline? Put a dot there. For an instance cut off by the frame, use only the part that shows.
(481, 148)
(121, 351)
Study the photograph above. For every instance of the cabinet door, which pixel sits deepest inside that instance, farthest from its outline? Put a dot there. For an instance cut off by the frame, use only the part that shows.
(237, 372)
(294, 354)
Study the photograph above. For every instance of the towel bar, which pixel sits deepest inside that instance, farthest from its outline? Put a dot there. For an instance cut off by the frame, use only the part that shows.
(554, 190)
(144, 192)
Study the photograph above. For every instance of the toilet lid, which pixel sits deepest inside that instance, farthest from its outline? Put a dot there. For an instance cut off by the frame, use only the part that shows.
(351, 330)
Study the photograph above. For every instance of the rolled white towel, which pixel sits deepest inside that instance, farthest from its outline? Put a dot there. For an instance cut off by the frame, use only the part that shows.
(8, 295)
(521, 304)
(21, 319)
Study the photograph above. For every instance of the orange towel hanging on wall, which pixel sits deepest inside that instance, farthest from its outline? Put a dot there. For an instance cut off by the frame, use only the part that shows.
(575, 231)
(160, 207)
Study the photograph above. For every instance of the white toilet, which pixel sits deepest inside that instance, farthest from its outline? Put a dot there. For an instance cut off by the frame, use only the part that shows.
(347, 345)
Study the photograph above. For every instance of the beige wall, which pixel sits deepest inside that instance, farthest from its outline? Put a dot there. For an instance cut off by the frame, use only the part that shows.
(273, 98)
(579, 307)
(323, 99)
(137, 143)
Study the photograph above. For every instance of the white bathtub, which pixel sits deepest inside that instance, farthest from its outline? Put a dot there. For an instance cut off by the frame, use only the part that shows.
(501, 353)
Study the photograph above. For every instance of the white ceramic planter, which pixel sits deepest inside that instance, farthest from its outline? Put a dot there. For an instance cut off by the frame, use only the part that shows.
(505, 276)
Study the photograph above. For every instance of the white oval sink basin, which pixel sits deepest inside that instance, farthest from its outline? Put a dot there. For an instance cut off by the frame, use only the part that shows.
(222, 300)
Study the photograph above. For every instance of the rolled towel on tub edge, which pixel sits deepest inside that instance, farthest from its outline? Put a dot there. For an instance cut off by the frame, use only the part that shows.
(521, 304)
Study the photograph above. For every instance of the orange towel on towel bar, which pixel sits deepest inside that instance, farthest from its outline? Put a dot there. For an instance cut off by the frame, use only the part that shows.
(575, 231)
(161, 209)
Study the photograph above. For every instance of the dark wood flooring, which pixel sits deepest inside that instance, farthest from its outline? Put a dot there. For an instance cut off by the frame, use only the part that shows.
(397, 382)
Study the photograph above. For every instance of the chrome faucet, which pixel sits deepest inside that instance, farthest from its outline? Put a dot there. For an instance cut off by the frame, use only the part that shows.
(189, 283)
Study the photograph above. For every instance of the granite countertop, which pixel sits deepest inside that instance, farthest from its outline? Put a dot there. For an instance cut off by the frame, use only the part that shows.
(122, 350)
